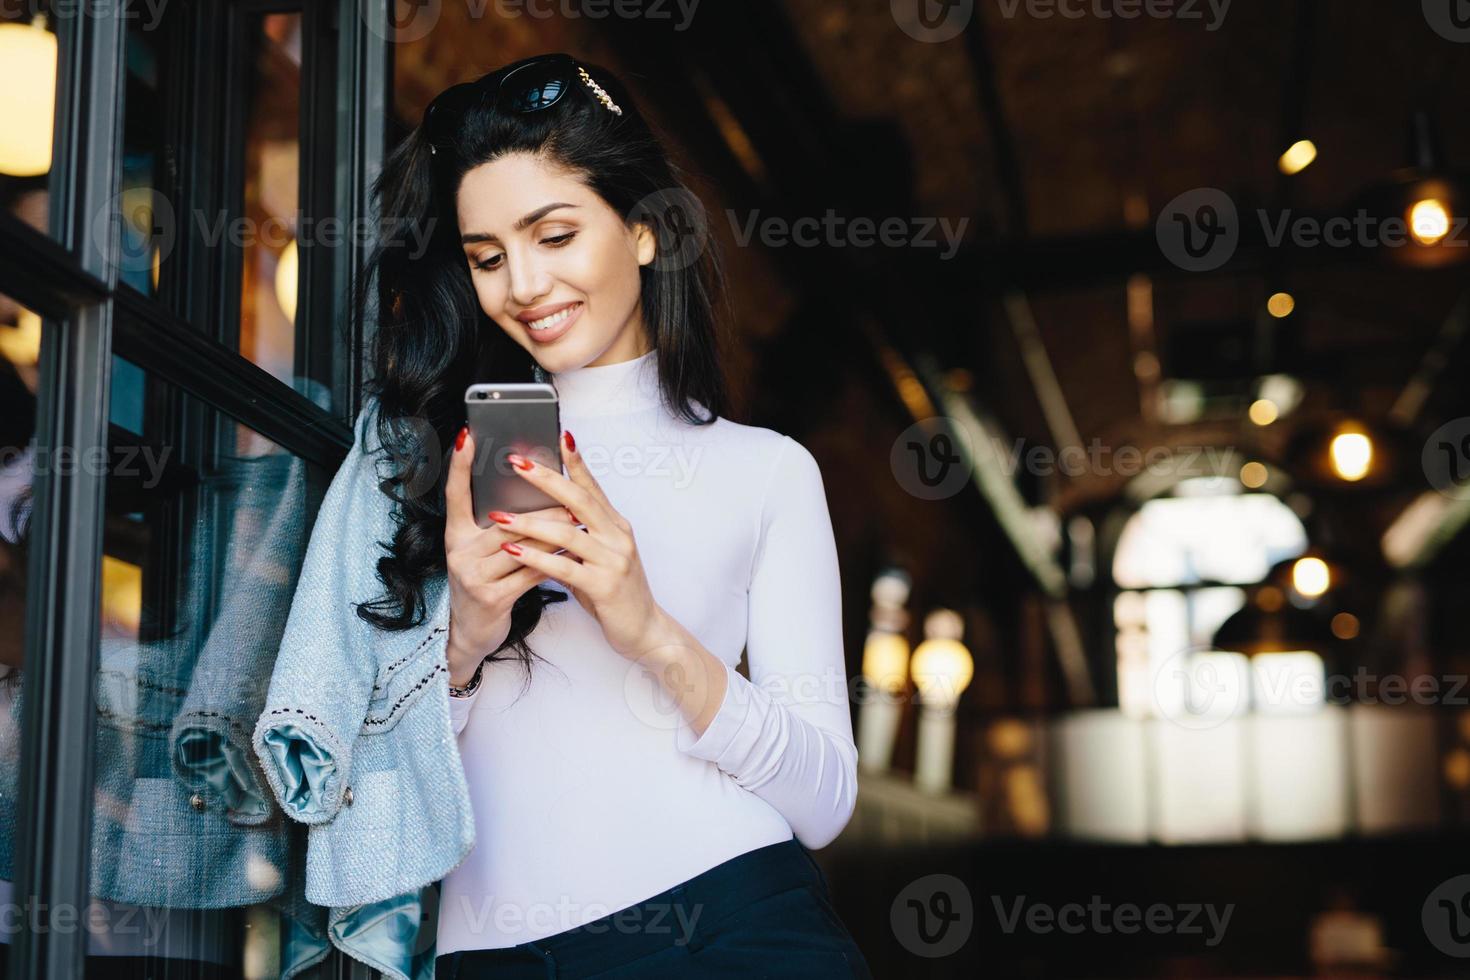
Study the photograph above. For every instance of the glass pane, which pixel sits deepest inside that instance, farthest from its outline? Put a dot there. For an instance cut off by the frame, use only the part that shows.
(146, 213)
(29, 56)
(199, 563)
(272, 163)
(20, 347)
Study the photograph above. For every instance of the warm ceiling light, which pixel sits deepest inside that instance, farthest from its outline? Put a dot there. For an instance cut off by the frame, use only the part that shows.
(1429, 221)
(1310, 577)
(287, 278)
(1253, 475)
(886, 661)
(1280, 305)
(1352, 454)
(1263, 411)
(1298, 158)
(27, 97)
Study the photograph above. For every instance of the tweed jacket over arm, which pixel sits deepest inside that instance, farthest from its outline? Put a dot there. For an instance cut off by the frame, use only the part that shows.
(355, 737)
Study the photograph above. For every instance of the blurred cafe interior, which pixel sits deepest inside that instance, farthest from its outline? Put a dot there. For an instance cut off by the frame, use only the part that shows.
(1144, 426)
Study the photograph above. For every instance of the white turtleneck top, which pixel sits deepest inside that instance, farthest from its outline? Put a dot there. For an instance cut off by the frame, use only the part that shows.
(590, 790)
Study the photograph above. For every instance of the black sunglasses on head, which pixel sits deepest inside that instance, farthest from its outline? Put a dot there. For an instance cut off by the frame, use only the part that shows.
(537, 84)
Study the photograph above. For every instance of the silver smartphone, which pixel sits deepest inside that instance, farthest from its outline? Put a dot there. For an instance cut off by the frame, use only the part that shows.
(505, 419)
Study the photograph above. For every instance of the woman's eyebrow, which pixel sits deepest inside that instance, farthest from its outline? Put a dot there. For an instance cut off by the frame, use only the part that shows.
(524, 223)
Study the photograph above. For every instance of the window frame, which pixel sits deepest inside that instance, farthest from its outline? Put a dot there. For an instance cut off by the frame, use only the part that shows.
(179, 337)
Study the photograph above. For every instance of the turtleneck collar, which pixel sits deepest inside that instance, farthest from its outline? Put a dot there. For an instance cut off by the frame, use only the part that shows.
(609, 389)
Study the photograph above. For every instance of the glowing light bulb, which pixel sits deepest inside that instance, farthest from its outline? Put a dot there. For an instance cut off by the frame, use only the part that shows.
(1429, 221)
(27, 97)
(1352, 455)
(1310, 577)
(1280, 305)
(1298, 157)
(1263, 411)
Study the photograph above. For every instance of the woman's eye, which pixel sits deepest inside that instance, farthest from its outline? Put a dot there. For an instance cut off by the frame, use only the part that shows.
(556, 241)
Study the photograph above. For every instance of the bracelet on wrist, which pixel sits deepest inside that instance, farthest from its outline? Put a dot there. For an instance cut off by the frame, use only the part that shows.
(468, 689)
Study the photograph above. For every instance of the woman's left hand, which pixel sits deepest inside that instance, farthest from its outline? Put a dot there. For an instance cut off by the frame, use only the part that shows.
(606, 575)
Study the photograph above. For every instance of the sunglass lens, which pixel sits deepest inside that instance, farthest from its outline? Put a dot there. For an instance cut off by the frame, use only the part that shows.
(537, 94)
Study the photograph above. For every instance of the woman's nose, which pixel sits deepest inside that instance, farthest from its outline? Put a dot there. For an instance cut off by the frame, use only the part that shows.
(529, 280)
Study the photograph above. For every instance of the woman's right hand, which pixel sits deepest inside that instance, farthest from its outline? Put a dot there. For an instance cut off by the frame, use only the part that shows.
(484, 581)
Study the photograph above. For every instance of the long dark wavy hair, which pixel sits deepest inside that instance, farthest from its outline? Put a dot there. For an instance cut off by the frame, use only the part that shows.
(433, 340)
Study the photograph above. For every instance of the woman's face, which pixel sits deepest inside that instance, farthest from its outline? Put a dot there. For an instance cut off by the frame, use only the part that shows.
(552, 263)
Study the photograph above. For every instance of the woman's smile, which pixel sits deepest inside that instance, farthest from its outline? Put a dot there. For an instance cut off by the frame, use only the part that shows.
(546, 328)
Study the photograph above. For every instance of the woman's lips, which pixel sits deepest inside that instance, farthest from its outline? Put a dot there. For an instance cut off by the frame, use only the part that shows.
(552, 333)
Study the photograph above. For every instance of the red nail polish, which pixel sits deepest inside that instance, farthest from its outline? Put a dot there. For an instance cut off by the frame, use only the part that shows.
(459, 439)
(499, 517)
(571, 443)
(520, 462)
(572, 516)
(513, 549)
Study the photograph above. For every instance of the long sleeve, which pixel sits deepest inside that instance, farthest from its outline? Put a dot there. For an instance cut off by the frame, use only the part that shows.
(459, 710)
(324, 674)
(786, 733)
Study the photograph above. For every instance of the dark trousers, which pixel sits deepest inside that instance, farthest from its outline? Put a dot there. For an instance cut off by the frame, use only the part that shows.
(761, 915)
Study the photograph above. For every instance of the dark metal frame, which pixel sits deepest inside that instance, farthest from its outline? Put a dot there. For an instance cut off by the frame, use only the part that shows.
(183, 339)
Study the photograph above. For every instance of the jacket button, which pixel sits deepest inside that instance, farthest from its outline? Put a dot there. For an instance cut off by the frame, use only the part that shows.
(197, 802)
(347, 796)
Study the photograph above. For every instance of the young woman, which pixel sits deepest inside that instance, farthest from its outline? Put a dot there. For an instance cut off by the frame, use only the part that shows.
(641, 809)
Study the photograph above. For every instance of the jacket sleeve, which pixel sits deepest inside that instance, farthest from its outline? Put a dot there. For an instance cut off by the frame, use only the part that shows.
(786, 734)
(325, 672)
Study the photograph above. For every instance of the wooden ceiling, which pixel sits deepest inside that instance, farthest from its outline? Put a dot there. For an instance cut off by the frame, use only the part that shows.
(1059, 140)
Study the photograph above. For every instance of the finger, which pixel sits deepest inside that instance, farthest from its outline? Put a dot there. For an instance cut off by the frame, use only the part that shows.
(559, 567)
(559, 534)
(489, 539)
(487, 545)
(459, 508)
(580, 474)
(560, 489)
(517, 580)
(495, 563)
